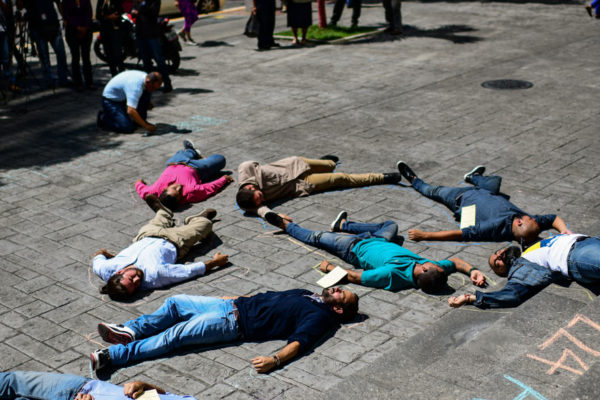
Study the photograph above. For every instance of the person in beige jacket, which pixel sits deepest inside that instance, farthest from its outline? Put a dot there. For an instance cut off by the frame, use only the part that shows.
(297, 177)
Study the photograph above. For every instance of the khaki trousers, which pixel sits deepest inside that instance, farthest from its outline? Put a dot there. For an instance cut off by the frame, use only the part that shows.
(322, 178)
(194, 229)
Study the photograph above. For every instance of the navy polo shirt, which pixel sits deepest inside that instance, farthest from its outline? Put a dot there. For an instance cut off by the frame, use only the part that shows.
(290, 315)
(494, 215)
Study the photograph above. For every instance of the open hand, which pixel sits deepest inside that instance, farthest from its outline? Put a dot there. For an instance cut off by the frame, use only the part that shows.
(477, 277)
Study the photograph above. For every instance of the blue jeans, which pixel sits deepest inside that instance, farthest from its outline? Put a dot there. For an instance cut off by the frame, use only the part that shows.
(340, 244)
(22, 385)
(151, 48)
(61, 59)
(448, 195)
(181, 321)
(115, 117)
(206, 167)
(584, 260)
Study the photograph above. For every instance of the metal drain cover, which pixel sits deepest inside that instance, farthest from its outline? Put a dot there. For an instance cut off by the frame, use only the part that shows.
(507, 84)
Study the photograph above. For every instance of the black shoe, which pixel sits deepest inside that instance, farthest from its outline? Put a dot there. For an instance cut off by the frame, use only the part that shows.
(331, 157)
(275, 44)
(167, 88)
(209, 213)
(478, 170)
(187, 144)
(154, 203)
(100, 359)
(391, 177)
(406, 172)
(336, 225)
(115, 334)
(332, 24)
(274, 219)
(99, 122)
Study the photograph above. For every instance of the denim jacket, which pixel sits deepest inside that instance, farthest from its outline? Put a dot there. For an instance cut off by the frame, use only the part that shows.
(525, 279)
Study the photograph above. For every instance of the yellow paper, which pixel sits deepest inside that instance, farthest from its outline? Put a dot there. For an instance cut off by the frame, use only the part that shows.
(467, 216)
(333, 277)
(149, 395)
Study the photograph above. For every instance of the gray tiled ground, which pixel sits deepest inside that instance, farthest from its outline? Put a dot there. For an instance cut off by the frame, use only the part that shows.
(67, 189)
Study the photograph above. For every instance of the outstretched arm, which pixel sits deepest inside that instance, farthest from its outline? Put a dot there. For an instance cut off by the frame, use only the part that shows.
(354, 276)
(418, 235)
(264, 364)
(476, 275)
(137, 118)
(136, 388)
(560, 225)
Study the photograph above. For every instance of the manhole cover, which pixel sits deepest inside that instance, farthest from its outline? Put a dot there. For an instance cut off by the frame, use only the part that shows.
(507, 84)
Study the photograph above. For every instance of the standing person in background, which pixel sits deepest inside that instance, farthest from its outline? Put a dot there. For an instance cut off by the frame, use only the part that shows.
(78, 32)
(147, 32)
(7, 27)
(338, 9)
(299, 15)
(108, 12)
(393, 16)
(265, 12)
(190, 15)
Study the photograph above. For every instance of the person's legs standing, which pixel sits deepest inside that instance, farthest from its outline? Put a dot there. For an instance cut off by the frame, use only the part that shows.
(491, 182)
(41, 45)
(356, 7)
(265, 12)
(338, 9)
(115, 117)
(324, 182)
(161, 65)
(73, 42)
(86, 45)
(181, 321)
(442, 194)
(39, 385)
(396, 15)
(61, 58)
(584, 261)
(145, 53)
(112, 44)
(319, 166)
(335, 243)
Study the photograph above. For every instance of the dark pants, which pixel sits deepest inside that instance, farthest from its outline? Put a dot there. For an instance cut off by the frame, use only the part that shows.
(338, 9)
(115, 117)
(265, 12)
(393, 13)
(112, 42)
(80, 48)
(151, 48)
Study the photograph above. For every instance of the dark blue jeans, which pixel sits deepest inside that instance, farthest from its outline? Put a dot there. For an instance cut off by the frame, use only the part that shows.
(340, 244)
(21, 385)
(115, 117)
(448, 195)
(584, 261)
(61, 58)
(151, 48)
(206, 167)
(338, 9)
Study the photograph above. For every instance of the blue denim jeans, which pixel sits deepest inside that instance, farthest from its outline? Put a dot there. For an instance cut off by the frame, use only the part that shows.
(181, 321)
(58, 45)
(115, 117)
(584, 261)
(341, 244)
(23, 385)
(206, 167)
(151, 48)
(448, 195)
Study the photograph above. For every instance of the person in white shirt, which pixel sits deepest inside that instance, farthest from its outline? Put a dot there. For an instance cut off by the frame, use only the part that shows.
(150, 262)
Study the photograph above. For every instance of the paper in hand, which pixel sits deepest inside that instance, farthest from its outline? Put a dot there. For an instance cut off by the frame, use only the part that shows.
(333, 277)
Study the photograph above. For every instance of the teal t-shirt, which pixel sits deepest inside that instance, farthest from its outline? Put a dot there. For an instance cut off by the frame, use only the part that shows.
(390, 266)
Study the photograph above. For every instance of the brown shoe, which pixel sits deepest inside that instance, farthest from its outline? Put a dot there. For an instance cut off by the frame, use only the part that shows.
(209, 213)
(155, 204)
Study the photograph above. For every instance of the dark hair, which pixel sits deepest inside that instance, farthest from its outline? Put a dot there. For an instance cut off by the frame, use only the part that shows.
(350, 310)
(154, 77)
(114, 289)
(510, 255)
(245, 198)
(168, 201)
(432, 281)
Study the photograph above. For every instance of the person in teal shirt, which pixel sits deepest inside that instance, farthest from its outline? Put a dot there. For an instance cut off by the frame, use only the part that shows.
(376, 249)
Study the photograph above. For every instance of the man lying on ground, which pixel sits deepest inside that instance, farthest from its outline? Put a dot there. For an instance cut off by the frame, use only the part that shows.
(149, 263)
(182, 181)
(52, 386)
(383, 263)
(558, 258)
(298, 315)
(296, 177)
(496, 218)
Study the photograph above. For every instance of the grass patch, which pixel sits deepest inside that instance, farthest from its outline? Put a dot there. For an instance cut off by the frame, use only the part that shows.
(336, 32)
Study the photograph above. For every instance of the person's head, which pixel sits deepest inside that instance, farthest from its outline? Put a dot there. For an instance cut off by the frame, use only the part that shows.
(501, 260)
(248, 197)
(430, 278)
(342, 301)
(172, 196)
(123, 283)
(153, 81)
(525, 229)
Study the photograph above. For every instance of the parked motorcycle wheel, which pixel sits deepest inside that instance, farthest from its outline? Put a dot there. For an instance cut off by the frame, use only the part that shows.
(99, 50)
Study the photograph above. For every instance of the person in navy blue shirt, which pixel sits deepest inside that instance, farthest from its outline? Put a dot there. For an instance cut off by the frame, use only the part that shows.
(298, 315)
(496, 218)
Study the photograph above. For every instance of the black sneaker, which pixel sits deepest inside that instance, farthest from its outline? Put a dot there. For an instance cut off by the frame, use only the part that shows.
(167, 89)
(115, 334)
(155, 204)
(406, 172)
(336, 225)
(274, 219)
(391, 177)
(331, 157)
(478, 170)
(100, 359)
